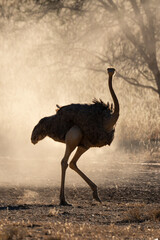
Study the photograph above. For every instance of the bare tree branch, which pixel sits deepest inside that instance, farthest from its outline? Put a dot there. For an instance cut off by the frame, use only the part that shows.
(134, 82)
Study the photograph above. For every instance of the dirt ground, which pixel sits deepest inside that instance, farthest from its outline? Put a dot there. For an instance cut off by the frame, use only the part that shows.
(130, 206)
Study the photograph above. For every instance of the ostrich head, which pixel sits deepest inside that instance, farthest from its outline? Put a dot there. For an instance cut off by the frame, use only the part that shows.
(39, 132)
(111, 71)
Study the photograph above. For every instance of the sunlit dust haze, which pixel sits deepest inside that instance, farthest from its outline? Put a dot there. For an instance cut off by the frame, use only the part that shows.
(40, 67)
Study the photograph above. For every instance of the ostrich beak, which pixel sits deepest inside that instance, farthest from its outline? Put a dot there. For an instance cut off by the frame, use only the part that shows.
(34, 141)
(111, 71)
(33, 138)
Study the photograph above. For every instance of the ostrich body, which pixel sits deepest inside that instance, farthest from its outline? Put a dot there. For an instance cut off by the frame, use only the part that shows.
(82, 126)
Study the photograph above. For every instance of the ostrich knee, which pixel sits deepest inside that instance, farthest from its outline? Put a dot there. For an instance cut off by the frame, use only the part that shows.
(72, 165)
(92, 185)
(64, 164)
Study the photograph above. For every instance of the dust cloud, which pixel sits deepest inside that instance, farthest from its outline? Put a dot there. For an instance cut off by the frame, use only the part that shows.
(31, 86)
(36, 74)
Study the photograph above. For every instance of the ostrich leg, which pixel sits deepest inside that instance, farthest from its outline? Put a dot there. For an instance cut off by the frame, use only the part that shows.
(73, 166)
(64, 166)
(72, 139)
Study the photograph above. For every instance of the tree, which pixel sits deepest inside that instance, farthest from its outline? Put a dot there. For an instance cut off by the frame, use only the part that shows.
(132, 44)
(36, 9)
(135, 45)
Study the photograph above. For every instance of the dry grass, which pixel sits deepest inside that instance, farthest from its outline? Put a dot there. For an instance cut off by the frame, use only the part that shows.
(133, 215)
(142, 214)
(139, 123)
(53, 212)
(11, 232)
(137, 221)
(154, 214)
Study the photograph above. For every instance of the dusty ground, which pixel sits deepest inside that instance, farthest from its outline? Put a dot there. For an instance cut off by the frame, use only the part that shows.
(130, 208)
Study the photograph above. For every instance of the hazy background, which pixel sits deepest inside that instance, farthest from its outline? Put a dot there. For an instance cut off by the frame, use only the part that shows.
(52, 59)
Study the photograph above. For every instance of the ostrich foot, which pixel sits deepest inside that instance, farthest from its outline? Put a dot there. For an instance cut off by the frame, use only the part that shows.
(96, 197)
(64, 203)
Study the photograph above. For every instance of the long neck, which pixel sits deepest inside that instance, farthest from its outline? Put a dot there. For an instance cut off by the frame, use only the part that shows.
(115, 115)
(110, 122)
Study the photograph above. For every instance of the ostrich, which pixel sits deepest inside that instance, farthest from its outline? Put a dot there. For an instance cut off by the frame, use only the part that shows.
(82, 126)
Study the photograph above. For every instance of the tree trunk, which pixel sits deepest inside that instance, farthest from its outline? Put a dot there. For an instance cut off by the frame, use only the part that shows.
(157, 78)
(156, 72)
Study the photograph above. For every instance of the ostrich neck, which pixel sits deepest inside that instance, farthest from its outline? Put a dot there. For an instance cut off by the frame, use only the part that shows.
(115, 100)
(109, 123)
